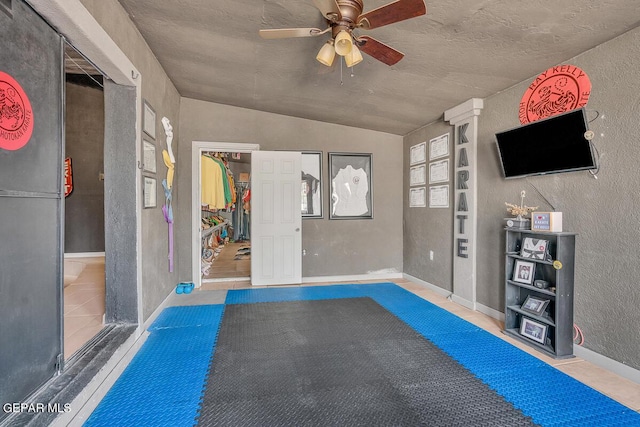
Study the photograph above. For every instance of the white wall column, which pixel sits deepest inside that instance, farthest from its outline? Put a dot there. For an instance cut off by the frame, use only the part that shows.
(464, 118)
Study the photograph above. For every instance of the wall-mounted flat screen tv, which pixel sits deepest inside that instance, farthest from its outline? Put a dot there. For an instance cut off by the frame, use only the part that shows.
(552, 145)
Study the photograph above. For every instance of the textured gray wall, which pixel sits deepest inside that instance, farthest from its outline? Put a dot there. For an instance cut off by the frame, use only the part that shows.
(604, 212)
(120, 204)
(429, 229)
(160, 92)
(84, 143)
(338, 247)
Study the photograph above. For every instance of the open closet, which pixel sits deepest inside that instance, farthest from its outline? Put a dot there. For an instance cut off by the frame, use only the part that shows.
(225, 202)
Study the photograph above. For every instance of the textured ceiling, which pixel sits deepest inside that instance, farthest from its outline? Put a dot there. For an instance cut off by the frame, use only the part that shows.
(461, 49)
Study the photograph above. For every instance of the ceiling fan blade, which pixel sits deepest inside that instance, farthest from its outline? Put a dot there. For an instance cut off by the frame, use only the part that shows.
(379, 50)
(397, 11)
(329, 9)
(285, 33)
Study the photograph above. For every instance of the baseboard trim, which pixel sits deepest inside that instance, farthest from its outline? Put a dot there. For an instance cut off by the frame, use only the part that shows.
(614, 366)
(354, 277)
(463, 302)
(490, 312)
(440, 291)
(164, 304)
(84, 255)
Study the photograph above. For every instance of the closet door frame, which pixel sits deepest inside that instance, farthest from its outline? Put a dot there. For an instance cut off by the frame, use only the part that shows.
(197, 148)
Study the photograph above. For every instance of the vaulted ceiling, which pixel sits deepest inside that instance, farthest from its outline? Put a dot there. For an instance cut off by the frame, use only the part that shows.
(460, 49)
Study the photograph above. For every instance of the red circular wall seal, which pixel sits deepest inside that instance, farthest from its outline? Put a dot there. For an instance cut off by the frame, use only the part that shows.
(16, 115)
(557, 90)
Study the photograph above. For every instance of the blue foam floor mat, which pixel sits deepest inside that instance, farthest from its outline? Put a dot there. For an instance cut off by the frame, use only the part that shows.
(163, 385)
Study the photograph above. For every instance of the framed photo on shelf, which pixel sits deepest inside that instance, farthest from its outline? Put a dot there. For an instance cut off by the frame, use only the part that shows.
(534, 248)
(311, 184)
(149, 120)
(351, 186)
(533, 330)
(148, 156)
(149, 192)
(535, 305)
(523, 271)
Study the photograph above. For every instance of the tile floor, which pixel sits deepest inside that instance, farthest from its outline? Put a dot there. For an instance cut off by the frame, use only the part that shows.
(618, 388)
(84, 302)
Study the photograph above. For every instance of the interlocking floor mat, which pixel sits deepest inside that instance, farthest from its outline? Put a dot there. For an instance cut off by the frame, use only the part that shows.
(343, 362)
(165, 383)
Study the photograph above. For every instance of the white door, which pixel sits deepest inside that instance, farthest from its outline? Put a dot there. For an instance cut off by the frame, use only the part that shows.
(276, 218)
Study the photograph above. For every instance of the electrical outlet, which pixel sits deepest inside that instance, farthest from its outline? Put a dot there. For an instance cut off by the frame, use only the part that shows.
(431, 255)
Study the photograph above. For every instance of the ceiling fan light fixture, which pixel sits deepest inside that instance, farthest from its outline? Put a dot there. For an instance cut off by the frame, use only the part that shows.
(326, 54)
(354, 57)
(343, 43)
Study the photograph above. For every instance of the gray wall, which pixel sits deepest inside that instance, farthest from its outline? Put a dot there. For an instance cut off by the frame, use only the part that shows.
(337, 247)
(84, 143)
(604, 212)
(429, 229)
(160, 92)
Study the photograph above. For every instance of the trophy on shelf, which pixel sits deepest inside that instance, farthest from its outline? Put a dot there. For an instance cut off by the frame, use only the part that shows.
(519, 212)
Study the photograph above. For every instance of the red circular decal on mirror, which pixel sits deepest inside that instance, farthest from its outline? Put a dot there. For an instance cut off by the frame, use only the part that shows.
(16, 116)
(557, 90)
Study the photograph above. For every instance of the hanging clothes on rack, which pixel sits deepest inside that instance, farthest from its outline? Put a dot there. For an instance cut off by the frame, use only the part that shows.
(246, 207)
(240, 220)
(212, 183)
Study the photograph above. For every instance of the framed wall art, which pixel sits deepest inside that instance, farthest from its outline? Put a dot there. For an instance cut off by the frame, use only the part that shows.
(418, 197)
(418, 175)
(439, 147)
(149, 190)
(418, 153)
(148, 156)
(351, 186)
(439, 196)
(149, 120)
(439, 171)
(311, 184)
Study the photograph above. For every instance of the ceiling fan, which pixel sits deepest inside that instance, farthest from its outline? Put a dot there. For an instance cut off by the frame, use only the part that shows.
(345, 16)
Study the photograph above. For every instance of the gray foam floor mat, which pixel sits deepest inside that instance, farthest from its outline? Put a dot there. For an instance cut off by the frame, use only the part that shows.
(339, 362)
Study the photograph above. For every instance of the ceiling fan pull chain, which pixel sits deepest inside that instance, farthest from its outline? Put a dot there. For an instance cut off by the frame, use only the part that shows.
(341, 82)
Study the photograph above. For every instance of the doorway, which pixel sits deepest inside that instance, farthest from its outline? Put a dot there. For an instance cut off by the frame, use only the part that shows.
(226, 230)
(221, 240)
(84, 255)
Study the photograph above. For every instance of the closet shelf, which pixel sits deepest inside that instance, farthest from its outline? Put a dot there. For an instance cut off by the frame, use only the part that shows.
(208, 231)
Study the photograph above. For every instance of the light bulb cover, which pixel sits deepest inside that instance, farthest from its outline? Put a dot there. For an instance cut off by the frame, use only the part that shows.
(343, 43)
(326, 54)
(354, 57)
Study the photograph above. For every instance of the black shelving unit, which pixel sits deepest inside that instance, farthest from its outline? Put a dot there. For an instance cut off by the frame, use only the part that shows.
(558, 316)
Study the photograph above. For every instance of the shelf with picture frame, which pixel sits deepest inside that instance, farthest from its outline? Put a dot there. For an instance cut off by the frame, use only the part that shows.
(539, 276)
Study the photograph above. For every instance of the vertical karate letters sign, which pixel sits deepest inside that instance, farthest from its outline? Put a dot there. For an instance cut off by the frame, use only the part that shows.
(16, 115)
(462, 184)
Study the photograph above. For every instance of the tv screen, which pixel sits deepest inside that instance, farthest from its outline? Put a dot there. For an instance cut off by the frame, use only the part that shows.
(552, 145)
